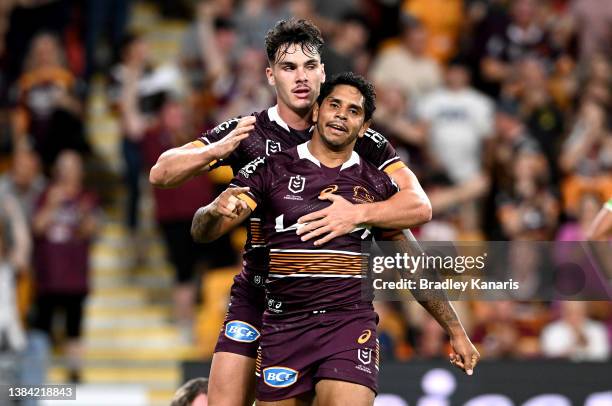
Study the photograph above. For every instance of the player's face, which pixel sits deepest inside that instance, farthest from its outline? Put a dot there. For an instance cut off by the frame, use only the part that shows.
(297, 76)
(340, 118)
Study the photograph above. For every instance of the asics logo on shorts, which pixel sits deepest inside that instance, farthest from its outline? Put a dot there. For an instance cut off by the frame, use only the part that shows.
(364, 337)
(280, 377)
(240, 331)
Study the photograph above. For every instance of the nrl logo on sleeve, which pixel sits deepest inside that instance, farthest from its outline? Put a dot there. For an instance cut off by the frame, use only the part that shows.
(272, 147)
(296, 184)
(250, 168)
(240, 331)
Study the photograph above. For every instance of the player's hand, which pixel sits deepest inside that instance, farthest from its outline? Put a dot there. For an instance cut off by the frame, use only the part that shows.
(227, 204)
(225, 146)
(465, 356)
(336, 220)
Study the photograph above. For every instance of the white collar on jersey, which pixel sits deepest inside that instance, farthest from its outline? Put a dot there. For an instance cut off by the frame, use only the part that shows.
(274, 116)
(304, 153)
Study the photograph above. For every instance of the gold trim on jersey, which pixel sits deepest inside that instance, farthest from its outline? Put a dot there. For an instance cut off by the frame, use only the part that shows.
(248, 200)
(394, 167)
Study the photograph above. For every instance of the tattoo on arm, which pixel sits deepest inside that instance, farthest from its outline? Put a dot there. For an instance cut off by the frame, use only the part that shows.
(434, 301)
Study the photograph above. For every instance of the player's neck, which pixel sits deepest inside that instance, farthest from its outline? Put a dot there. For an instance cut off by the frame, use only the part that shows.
(298, 120)
(327, 156)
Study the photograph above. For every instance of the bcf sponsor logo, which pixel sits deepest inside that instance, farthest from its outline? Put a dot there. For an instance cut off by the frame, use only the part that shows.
(280, 377)
(240, 331)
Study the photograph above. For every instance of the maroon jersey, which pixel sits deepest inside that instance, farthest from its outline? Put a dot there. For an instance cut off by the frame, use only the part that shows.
(285, 187)
(271, 135)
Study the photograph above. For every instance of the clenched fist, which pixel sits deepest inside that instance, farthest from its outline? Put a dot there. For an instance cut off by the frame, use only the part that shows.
(227, 204)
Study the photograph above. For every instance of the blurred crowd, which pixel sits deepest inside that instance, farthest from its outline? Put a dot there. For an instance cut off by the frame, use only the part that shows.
(501, 108)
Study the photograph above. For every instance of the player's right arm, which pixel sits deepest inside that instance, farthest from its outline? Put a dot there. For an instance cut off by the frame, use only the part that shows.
(223, 214)
(464, 355)
(177, 165)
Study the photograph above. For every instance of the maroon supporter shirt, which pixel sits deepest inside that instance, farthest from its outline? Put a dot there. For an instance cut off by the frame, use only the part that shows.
(61, 254)
(271, 135)
(287, 186)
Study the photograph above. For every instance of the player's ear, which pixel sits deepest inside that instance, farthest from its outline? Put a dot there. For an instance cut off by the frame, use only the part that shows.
(315, 112)
(364, 128)
(270, 76)
(323, 73)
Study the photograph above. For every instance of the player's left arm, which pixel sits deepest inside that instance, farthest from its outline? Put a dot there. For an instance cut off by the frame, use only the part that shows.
(407, 208)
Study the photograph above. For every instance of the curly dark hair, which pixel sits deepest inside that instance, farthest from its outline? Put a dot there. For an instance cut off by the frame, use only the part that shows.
(359, 82)
(289, 32)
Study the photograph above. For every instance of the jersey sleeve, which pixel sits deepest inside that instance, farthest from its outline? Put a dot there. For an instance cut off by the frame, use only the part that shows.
(254, 176)
(216, 134)
(378, 151)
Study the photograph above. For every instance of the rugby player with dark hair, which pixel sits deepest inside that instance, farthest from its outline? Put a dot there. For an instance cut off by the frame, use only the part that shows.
(319, 333)
(296, 72)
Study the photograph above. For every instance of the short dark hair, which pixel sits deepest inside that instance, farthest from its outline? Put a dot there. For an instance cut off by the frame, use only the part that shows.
(189, 391)
(351, 79)
(293, 31)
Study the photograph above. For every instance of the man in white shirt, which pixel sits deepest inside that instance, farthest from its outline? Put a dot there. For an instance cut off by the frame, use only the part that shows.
(459, 120)
(575, 336)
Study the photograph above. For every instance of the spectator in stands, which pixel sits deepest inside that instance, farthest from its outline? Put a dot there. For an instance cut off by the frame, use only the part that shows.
(255, 17)
(575, 336)
(543, 119)
(64, 225)
(586, 156)
(592, 21)
(108, 17)
(209, 50)
(24, 181)
(249, 91)
(502, 335)
(460, 120)
(346, 51)
(405, 65)
(502, 40)
(12, 337)
(443, 20)
(48, 114)
(17, 239)
(589, 204)
(530, 210)
(396, 119)
(138, 91)
(192, 393)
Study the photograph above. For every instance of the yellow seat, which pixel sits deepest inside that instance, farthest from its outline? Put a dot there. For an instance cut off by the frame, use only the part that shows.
(216, 286)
